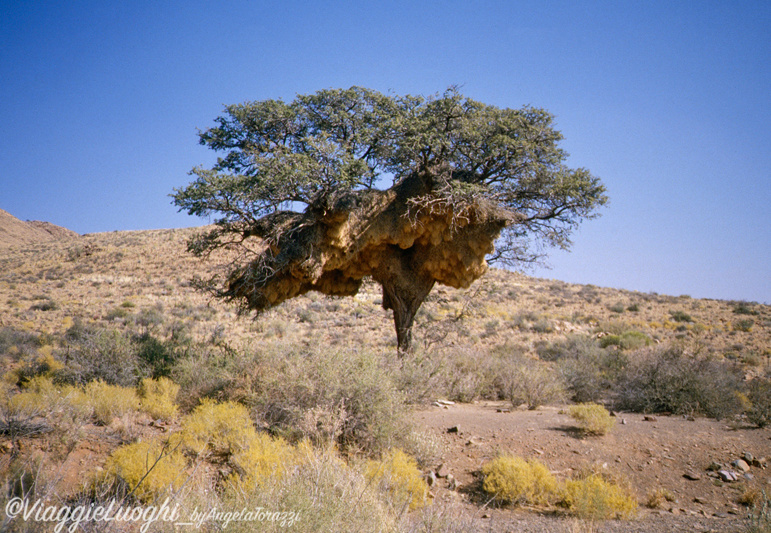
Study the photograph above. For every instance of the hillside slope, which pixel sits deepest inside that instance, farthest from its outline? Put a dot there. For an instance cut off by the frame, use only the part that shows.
(15, 232)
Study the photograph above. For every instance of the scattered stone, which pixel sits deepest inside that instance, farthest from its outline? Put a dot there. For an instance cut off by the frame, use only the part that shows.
(649, 418)
(693, 476)
(748, 476)
(623, 421)
(430, 479)
(442, 471)
(727, 476)
(714, 467)
(475, 441)
(445, 402)
(453, 429)
(741, 464)
(486, 515)
(539, 452)
(747, 456)
(674, 511)
(503, 410)
(700, 500)
(759, 462)
(452, 483)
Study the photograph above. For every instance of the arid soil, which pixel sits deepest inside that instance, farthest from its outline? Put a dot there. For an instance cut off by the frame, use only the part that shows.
(650, 453)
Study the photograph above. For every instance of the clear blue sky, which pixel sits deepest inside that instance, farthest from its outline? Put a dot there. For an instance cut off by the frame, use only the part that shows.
(668, 102)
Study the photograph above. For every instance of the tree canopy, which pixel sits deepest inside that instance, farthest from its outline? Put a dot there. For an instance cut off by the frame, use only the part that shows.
(301, 204)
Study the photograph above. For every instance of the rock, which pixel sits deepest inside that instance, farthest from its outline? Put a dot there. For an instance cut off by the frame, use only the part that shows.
(452, 483)
(445, 402)
(6, 447)
(759, 462)
(442, 471)
(674, 511)
(714, 467)
(503, 410)
(475, 441)
(702, 501)
(693, 476)
(649, 418)
(741, 464)
(453, 429)
(747, 456)
(727, 476)
(539, 452)
(430, 479)
(623, 421)
(748, 476)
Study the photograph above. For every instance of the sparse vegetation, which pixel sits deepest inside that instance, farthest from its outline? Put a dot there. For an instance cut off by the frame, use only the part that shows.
(592, 419)
(594, 498)
(515, 480)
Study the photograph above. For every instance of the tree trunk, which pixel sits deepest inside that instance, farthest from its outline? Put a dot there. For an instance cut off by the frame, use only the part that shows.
(404, 289)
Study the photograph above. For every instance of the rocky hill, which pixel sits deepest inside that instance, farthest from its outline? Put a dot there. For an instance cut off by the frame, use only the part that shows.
(15, 232)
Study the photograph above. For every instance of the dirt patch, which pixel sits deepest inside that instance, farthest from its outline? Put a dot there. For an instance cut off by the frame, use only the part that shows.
(649, 452)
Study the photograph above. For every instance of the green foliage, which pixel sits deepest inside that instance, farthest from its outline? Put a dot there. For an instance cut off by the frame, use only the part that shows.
(629, 340)
(592, 418)
(744, 325)
(594, 498)
(149, 469)
(680, 316)
(512, 479)
(398, 475)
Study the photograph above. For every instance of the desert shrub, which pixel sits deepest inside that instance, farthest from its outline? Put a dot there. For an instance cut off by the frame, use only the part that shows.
(744, 325)
(283, 382)
(156, 355)
(397, 475)
(587, 370)
(594, 498)
(149, 469)
(512, 479)
(158, 397)
(629, 340)
(592, 418)
(669, 380)
(264, 459)
(759, 395)
(760, 518)
(657, 497)
(532, 383)
(320, 493)
(100, 354)
(680, 316)
(744, 308)
(110, 401)
(221, 428)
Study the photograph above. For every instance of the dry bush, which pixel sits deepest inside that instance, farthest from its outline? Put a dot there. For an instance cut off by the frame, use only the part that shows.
(397, 475)
(158, 398)
(657, 497)
(110, 401)
(759, 396)
(263, 460)
(515, 480)
(592, 418)
(669, 380)
(594, 498)
(220, 428)
(146, 469)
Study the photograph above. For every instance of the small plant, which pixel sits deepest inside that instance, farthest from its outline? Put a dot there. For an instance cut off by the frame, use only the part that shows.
(158, 398)
(263, 460)
(512, 479)
(592, 418)
(680, 316)
(110, 401)
(397, 474)
(657, 498)
(594, 498)
(760, 519)
(221, 428)
(744, 325)
(149, 469)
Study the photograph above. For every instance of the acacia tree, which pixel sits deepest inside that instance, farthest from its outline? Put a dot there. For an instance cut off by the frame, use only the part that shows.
(296, 192)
